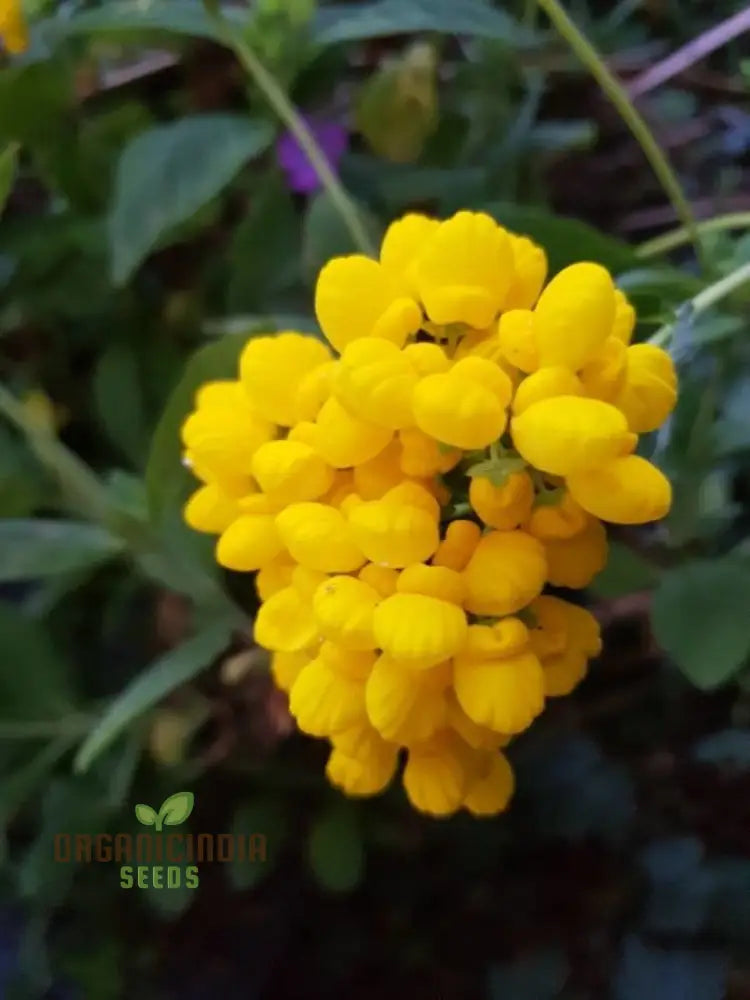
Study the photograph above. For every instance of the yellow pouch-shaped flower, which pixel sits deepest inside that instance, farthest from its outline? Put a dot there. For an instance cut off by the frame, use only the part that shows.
(419, 631)
(516, 338)
(286, 667)
(426, 358)
(649, 391)
(325, 701)
(394, 534)
(624, 321)
(627, 490)
(344, 440)
(437, 773)
(291, 471)
(249, 543)
(406, 706)
(376, 385)
(272, 369)
(422, 456)
(459, 411)
(603, 375)
(503, 694)
(358, 297)
(318, 536)
(544, 384)
(380, 578)
(565, 668)
(507, 570)
(504, 638)
(314, 389)
(529, 273)
(563, 519)
(211, 510)
(574, 562)
(574, 315)
(361, 762)
(477, 737)
(504, 507)
(274, 576)
(465, 270)
(457, 548)
(567, 433)
(433, 581)
(343, 607)
(13, 28)
(491, 787)
(285, 623)
(404, 241)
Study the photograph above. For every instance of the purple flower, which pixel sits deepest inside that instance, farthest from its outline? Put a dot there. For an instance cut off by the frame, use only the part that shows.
(300, 173)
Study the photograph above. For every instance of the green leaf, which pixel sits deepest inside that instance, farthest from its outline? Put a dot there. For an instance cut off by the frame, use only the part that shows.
(264, 259)
(354, 22)
(148, 688)
(324, 234)
(700, 619)
(125, 17)
(34, 681)
(335, 850)
(165, 175)
(265, 816)
(145, 814)
(36, 548)
(8, 163)
(118, 394)
(497, 470)
(176, 808)
(17, 787)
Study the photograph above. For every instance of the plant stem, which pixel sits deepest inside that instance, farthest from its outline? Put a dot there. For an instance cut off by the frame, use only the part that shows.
(617, 94)
(705, 299)
(68, 726)
(292, 119)
(680, 236)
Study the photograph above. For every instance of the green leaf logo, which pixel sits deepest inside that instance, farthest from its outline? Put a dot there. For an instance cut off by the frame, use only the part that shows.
(173, 811)
(145, 814)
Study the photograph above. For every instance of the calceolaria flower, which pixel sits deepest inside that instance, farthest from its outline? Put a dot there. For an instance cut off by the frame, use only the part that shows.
(406, 493)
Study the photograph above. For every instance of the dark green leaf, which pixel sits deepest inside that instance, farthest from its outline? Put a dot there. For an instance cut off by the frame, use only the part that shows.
(335, 850)
(266, 817)
(36, 548)
(699, 615)
(118, 394)
(147, 690)
(124, 17)
(19, 785)
(354, 22)
(165, 175)
(34, 681)
(324, 234)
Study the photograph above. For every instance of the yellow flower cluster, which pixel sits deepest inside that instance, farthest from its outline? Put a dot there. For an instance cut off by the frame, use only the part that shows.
(405, 501)
(13, 29)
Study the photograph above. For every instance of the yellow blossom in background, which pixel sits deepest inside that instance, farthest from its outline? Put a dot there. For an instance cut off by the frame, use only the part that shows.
(406, 493)
(13, 28)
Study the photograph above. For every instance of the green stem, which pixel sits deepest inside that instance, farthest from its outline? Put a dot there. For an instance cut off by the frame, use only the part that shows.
(680, 236)
(617, 94)
(292, 119)
(705, 299)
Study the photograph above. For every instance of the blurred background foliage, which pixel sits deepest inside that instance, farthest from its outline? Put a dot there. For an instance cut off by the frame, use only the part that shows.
(156, 215)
